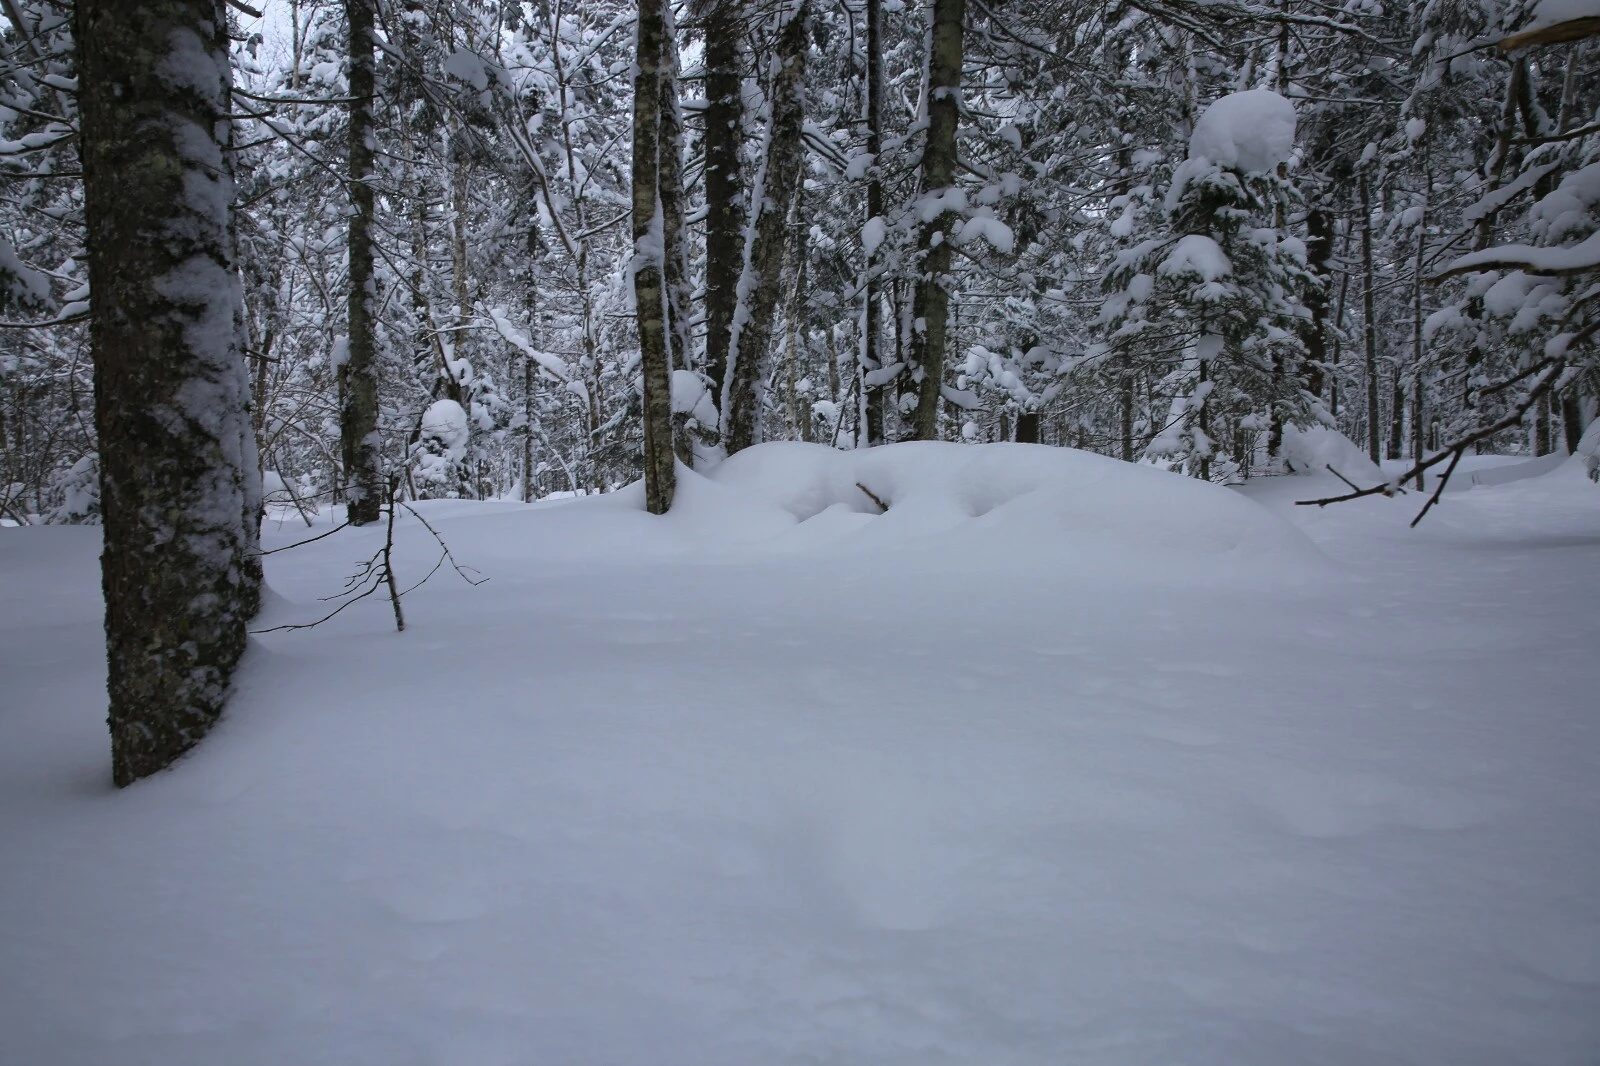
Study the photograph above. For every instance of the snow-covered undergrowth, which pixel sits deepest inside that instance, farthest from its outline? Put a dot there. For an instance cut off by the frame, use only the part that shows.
(1058, 760)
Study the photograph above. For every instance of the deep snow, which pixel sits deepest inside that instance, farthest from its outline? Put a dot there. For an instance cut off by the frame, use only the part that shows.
(1058, 761)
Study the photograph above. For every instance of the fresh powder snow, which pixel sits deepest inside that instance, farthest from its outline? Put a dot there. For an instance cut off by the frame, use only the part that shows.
(1055, 760)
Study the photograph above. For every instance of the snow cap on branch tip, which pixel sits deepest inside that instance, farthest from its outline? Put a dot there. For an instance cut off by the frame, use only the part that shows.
(1251, 131)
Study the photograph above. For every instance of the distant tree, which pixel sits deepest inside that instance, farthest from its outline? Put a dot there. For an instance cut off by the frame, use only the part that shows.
(179, 484)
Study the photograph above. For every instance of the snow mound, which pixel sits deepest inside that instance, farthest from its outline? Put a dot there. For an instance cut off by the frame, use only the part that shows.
(1316, 449)
(1024, 503)
(1252, 131)
(1001, 508)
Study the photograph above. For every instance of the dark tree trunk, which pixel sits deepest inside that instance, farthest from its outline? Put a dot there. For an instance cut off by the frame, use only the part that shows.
(1126, 427)
(871, 342)
(1319, 255)
(1028, 427)
(931, 307)
(358, 415)
(660, 475)
(177, 463)
(1369, 327)
(1571, 420)
(771, 197)
(725, 208)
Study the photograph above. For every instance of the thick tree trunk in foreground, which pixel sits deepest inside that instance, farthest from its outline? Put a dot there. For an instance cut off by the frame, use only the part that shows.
(771, 196)
(649, 259)
(358, 415)
(931, 308)
(177, 469)
(725, 208)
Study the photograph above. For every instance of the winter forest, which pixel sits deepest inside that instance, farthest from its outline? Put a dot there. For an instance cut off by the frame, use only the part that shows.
(727, 531)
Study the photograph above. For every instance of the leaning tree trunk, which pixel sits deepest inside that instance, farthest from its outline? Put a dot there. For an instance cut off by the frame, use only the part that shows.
(358, 414)
(931, 307)
(649, 258)
(177, 473)
(725, 213)
(772, 193)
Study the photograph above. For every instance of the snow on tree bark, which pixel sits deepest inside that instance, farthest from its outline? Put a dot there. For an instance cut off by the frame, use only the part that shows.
(772, 194)
(675, 260)
(358, 413)
(931, 305)
(725, 207)
(649, 255)
(171, 389)
(872, 326)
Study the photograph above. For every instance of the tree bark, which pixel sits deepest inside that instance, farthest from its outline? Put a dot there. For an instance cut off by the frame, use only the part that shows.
(177, 464)
(675, 265)
(660, 475)
(1319, 255)
(1370, 327)
(931, 305)
(358, 414)
(771, 196)
(872, 328)
(725, 207)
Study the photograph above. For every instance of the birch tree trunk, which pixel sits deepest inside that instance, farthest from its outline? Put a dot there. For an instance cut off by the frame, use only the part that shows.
(931, 306)
(675, 264)
(358, 414)
(660, 475)
(177, 465)
(771, 195)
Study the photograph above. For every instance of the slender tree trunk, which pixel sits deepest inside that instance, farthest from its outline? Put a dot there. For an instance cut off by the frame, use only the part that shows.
(177, 465)
(1319, 228)
(660, 475)
(872, 329)
(358, 415)
(1418, 430)
(676, 261)
(1370, 327)
(931, 307)
(725, 208)
(771, 196)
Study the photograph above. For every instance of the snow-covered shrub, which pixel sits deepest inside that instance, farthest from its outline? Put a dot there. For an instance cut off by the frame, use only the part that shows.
(79, 488)
(436, 457)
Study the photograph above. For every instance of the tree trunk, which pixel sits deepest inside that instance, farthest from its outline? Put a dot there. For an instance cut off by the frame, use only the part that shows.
(1370, 327)
(771, 195)
(358, 414)
(1319, 230)
(660, 475)
(931, 307)
(177, 466)
(872, 327)
(725, 208)
(1028, 427)
(676, 261)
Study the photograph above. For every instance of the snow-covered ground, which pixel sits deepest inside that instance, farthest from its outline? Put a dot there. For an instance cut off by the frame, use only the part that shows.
(1057, 761)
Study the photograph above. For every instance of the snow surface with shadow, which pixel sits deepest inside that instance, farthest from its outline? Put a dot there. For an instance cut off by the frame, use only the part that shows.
(1057, 760)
